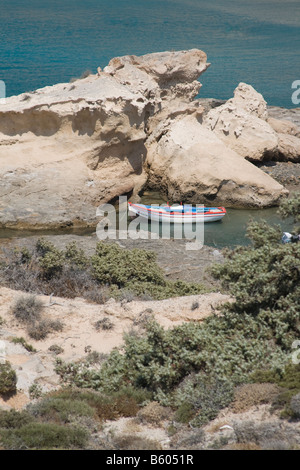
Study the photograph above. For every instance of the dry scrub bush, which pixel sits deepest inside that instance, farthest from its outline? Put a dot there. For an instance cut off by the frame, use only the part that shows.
(132, 442)
(295, 405)
(104, 324)
(249, 395)
(29, 310)
(244, 446)
(268, 435)
(154, 413)
(40, 330)
(188, 439)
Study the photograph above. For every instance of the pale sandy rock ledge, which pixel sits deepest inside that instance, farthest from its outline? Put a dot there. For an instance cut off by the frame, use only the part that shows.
(66, 149)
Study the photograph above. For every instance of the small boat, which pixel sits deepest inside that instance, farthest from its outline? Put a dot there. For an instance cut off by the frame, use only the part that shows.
(177, 213)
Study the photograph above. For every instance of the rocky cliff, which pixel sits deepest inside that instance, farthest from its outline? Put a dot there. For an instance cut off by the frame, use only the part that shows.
(67, 148)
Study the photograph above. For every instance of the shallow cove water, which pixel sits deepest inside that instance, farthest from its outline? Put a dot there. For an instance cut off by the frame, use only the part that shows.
(229, 232)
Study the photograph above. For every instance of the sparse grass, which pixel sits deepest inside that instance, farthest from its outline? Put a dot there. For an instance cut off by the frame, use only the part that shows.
(295, 406)
(60, 410)
(126, 402)
(188, 439)
(244, 446)
(24, 343)
(94, 357)
(267, 435)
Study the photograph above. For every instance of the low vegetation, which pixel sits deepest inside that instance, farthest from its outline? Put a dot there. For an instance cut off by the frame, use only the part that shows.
(195, 368)
(29, 311)
(110, 272)
(239, 357)
(8, 379)
(65, 419)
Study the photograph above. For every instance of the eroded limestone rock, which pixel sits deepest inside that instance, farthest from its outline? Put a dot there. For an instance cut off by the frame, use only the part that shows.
(67, 148)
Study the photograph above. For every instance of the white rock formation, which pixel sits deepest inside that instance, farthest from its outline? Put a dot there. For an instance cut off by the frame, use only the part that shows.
(190, 162)
(241, 124)
(66, 149)
(244, 126)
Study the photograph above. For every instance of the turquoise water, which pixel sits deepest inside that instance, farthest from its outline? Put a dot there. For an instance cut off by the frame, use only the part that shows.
(231, 230)
(258, 42)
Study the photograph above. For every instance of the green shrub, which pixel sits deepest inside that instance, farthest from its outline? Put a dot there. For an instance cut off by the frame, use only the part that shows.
(115, 265)
(264, 280)
(158, 360)
(111, 272)
(52, 264)
(60, 409)
(44, 246)
(291, 207)
(199, 398)
(13, 419)
(45, 436)
(137, 272)
(35, 391)
(288, 380)
(76, 256)
(8, 379)
(184, 413)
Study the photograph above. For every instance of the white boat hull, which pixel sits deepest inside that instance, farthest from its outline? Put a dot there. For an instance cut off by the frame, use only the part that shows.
(176, 214)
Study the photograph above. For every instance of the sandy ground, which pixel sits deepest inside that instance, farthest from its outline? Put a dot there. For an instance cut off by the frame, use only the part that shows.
(80, 336)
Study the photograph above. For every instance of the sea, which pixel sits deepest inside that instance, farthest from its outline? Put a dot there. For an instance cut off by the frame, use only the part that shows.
(257, 42)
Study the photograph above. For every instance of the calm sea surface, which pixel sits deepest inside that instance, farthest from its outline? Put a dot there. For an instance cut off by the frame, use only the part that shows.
(257, 42)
